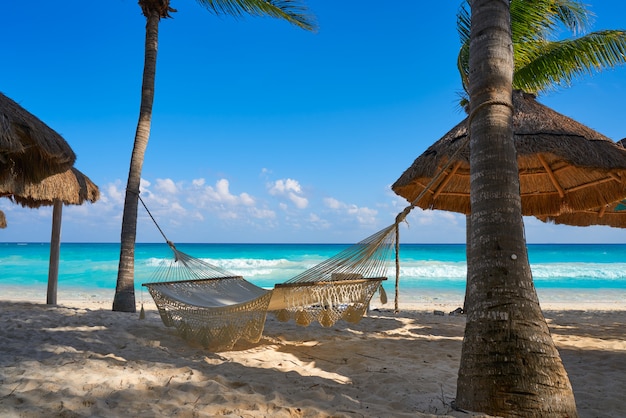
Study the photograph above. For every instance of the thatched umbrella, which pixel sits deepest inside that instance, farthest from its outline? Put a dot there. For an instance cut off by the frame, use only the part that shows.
(564, 166)
(3, 220)
(71, 188)
(613, 215)
(29, 149)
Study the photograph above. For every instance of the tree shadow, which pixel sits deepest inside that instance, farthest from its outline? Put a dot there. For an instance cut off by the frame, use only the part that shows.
(592, 348)
(65, 361)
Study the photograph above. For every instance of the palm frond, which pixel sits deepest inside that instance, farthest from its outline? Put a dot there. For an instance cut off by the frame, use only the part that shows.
(574, 15)
(557, 64)
(463, 22)
(292, 11)
(531, 21)
(542, 62)
(463, 66)
(540, 19)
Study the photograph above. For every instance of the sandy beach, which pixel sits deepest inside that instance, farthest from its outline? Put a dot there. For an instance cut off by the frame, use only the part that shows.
(80, 359)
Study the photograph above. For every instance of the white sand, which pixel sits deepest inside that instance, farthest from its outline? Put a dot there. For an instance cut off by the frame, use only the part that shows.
(80, 359)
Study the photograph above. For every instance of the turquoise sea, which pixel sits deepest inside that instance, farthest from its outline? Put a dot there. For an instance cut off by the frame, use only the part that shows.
(429, 272)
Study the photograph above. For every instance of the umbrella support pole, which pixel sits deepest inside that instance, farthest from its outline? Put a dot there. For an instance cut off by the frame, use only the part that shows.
(55, 251)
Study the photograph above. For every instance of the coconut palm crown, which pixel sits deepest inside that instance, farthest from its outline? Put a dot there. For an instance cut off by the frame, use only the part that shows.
(542, 61)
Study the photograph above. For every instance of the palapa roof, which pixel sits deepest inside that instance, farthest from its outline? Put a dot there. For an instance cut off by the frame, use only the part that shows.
(70, 187)
(564, 166)
(613, 215)
(29, 149)
(3, 220)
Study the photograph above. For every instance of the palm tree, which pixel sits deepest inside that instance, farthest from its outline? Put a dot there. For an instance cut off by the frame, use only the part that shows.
(509, 363)
(540, 64)
(154, 11)
(543, 63)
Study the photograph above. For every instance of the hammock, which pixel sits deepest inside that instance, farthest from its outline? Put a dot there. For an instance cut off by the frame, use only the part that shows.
(338, 288)
(215, 308)
(206, 304)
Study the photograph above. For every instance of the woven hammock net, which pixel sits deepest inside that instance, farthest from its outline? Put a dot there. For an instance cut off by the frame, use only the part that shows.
(216, 308)
(206, 304)
(338, 288)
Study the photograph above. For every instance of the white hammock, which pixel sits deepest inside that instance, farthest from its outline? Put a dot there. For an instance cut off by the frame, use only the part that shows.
(215, 308)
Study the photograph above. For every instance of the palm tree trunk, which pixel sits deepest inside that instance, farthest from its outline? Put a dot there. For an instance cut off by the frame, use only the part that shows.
(509, 363)
(125, 290)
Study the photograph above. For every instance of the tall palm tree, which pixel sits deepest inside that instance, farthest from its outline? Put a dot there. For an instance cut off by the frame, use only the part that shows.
(542, 61)
(155, 10)
(509, 363)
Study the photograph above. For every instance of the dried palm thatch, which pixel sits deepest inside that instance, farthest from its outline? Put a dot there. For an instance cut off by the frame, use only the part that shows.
(564, 166)
(70, 187)
(3, 220)
(613, 215)
(29, 149)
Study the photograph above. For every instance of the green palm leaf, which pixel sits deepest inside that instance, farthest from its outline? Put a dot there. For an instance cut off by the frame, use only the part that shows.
(289, 10)
(542, 62)
(549, 65)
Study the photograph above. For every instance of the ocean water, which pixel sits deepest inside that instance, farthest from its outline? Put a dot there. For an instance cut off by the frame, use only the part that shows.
(428, 272)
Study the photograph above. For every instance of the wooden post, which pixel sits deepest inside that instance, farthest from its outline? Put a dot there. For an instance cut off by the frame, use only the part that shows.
(55, 251)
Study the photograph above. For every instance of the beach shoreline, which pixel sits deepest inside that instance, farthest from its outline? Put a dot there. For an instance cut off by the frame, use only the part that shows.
(81, 359)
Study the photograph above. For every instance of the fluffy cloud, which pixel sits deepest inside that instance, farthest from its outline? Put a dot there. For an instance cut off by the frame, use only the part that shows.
(220, 194)
(197, 182)
(166, 186)
(363, 215)
(332, 203)
(113, 194)
(314, 219)
(291, 190)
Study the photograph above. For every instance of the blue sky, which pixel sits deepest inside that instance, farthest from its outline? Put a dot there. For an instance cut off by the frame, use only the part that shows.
(262, 132)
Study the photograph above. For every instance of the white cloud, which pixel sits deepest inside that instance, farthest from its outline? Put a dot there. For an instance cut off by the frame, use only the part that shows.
(363, 215)
(332, 203)
(246, 199)
(319, 222)
(220, 194)
(166, 186)
(290, 189)
(299, 201)
(263, 213)
(176, 207)
(114, 193)
(284, 186)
